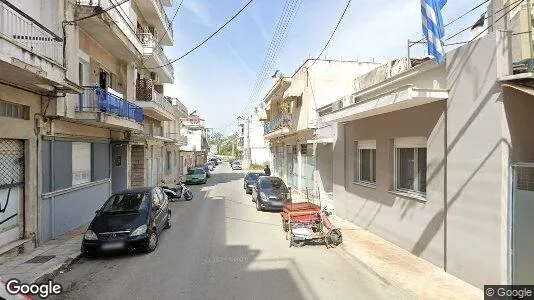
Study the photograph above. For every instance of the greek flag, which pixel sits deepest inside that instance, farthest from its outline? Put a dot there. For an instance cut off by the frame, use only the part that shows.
(433, 27)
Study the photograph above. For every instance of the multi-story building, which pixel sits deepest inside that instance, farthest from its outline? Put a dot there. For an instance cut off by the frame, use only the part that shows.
(195, 152)
(439, 160)
(252, 142)
(33, 78)
(78, 78)
(292, 120)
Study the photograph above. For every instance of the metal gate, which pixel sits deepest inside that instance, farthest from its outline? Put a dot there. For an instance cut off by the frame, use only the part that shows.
(522, 224)
(11, 188)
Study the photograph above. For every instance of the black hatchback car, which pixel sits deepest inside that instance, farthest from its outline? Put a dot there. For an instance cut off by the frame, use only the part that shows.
(250, 180)
(129, 220)
(270, 193)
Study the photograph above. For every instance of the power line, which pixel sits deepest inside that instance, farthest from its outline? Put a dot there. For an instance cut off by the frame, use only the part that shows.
(205, 40)
(503, 15)
(333, 32)
(99, 12)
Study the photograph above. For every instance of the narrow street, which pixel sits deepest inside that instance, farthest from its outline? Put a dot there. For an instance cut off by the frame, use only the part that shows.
(220, 247)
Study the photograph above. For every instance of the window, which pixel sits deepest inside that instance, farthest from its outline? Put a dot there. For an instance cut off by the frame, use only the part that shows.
(81, 163)
(12, 110)
(410, 165)
(366, 162)
(168, 160)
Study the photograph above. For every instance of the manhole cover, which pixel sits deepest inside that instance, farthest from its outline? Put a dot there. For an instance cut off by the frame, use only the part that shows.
(40, 259)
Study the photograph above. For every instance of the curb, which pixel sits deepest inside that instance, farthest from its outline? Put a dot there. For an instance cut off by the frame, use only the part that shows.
(368, 266)
(57, 269)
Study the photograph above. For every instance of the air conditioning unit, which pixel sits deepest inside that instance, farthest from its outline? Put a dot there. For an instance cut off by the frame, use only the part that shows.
(154, 76)
(337, 105)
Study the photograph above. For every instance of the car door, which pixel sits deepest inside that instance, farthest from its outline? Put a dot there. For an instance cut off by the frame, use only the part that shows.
(255, 191)
(157, 212)
(164, 207)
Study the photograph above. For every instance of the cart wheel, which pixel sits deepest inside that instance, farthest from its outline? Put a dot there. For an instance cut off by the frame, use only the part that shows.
(335, 237)
(285, 225)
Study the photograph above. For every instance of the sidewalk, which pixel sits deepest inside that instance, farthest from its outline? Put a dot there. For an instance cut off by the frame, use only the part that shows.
(401, 268)
(46, 260)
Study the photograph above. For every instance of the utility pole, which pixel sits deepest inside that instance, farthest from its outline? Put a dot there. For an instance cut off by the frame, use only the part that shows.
(249, 155)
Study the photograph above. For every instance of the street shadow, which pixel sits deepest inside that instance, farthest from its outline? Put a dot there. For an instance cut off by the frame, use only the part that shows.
(195, 259)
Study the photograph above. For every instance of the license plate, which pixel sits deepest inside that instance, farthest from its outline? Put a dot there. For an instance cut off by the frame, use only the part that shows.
(113, 246)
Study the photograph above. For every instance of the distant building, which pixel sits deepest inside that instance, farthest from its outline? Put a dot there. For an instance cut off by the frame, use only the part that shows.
(252, 141)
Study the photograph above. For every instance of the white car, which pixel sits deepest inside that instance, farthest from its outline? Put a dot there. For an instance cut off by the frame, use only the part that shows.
(236, 165)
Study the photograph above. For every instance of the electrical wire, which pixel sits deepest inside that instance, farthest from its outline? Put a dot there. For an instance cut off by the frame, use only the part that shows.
(333, 32)
(205, 40)
(97, 13)
(156, 47)
(504, 15)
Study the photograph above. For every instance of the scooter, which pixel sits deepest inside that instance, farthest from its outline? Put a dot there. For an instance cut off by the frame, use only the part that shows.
(178, 191)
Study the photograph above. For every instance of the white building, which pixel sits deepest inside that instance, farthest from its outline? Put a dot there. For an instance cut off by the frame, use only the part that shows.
(194, 152)
(252, 141)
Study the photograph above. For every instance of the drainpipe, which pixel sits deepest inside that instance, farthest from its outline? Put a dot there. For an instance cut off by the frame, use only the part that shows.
(529, 18)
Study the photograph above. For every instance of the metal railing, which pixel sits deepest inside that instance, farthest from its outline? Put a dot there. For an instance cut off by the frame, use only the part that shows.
(280, 121)
(165, 61)
(161, 101)
(24, 31)
(97, 99)
(162, 10)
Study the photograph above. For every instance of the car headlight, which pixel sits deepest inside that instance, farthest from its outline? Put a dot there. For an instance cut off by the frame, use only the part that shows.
(139, 230)
(263, 197)
(90, 236)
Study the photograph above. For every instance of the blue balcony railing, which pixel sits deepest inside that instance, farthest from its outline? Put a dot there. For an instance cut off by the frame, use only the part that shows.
(97, 99)
(280, 121)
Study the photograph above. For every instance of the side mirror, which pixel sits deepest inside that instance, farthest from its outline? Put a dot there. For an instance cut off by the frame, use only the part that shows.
(155, 208)
(96, 212)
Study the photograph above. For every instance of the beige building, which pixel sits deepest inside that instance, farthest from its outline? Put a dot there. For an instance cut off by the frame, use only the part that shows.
(291, 117)
(75, 89)
(195, 151)
(438, 160)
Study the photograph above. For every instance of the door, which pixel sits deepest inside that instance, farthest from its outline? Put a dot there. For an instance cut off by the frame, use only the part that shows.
(11, 189)
(119, 170)
(522, 243)
(161, 212)
(85, 98)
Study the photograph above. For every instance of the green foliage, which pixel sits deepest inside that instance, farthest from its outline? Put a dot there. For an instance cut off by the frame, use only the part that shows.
(256, 167)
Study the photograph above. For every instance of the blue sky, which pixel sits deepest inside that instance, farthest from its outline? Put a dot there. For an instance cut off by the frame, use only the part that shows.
(218, 78)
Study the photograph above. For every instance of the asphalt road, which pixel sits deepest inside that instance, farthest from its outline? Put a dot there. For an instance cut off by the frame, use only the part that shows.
(220, 247)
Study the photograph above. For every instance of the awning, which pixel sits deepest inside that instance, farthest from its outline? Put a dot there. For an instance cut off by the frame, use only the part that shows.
(519, 87)
(394, 100)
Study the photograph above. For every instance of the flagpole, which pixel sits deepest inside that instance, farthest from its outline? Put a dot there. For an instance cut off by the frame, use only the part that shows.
(529, 18)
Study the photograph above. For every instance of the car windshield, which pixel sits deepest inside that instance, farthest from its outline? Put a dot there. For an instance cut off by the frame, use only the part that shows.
(196, 171)
(275, 184)
(253, 176)
(126, 203)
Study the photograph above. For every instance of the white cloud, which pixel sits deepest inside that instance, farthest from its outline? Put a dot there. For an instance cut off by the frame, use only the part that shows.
(240, 60)
(200, 12)
(261, 27)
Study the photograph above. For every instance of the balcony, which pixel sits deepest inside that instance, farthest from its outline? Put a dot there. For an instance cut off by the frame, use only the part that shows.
(278, 127)
(153, 103)
(113, 29)
(155, 14)
(102, 108)
(148, 42)
(31, 55)
(156, 59)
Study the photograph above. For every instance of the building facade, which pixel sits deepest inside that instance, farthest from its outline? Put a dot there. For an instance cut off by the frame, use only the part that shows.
(195, 151)
(252, 142)
(437, 160)
(292, 122)
(75, 90)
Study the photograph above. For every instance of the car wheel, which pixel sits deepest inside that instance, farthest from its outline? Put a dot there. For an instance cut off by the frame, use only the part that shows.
(258, 206)
(168, 221)
(285, 225)
(152, 243)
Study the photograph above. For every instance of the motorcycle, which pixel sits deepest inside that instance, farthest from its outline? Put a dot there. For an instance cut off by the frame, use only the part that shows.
(177, 192)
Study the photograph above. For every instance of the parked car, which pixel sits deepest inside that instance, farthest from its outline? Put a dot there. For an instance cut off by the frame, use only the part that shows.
(210, 165)
(206, 168)
(129, 220)
(250, 179)
(236, 165)
(196, 175)
(214, 161)
(270, 193)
